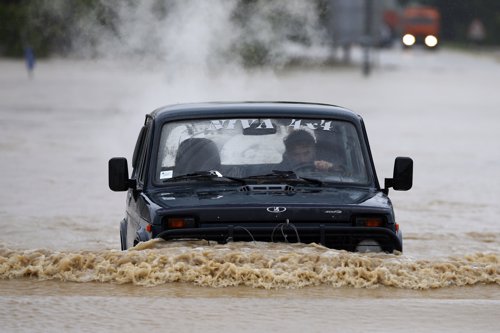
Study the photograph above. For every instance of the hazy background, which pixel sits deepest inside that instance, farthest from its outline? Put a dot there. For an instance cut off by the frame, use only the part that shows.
(100, 66)
(77, 78)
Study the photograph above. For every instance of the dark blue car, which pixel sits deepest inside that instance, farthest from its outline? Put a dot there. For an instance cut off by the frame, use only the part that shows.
(271, 172)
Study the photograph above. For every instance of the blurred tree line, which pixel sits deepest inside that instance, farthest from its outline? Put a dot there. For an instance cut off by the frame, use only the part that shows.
(58, 26)
(49, 26)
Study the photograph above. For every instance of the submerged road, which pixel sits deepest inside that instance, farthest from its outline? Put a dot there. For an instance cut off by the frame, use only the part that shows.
(58, 130)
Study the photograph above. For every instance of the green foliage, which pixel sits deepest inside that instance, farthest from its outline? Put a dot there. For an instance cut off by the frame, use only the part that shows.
(253, 54)
(47, 26)
(12, 19)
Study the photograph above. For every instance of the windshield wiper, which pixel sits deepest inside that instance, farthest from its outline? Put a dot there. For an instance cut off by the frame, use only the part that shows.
(285, 176)
(275, 174)
(204, 175)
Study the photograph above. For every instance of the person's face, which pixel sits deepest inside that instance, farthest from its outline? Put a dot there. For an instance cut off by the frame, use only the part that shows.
(302, 154)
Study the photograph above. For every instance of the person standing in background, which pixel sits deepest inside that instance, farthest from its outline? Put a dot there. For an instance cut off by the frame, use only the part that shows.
(29, 57)
(476, 32)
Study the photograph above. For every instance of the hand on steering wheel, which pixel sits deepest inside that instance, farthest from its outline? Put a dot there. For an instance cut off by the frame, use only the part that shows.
(323, 165)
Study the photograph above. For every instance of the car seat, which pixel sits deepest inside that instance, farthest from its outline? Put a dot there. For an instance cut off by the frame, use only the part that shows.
(196, 154)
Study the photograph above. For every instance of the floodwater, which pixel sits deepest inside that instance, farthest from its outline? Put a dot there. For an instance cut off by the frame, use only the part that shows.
(60, 264)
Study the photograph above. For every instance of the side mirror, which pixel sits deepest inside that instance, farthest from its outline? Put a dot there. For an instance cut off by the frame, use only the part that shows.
(403, 175)
(118, 174)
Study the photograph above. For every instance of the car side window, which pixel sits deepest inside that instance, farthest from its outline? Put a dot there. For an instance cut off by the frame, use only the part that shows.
(138, 150)
(140, 155)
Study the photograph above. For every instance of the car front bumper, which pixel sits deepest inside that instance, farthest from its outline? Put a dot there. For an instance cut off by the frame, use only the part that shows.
(336, 237)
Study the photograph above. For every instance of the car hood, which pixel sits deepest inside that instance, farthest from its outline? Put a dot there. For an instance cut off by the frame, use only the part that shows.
(309, 196)
(235, 206)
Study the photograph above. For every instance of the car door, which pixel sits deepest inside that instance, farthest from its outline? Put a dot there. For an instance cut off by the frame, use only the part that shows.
(136, 207)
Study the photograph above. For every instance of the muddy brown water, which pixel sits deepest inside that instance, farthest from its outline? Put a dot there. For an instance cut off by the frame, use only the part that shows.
(61, 270)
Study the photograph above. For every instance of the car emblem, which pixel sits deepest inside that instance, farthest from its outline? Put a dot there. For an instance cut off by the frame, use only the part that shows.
(276, 210)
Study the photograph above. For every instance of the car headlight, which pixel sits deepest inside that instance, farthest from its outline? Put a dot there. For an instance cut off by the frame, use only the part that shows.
(409, 39)
(431, 41)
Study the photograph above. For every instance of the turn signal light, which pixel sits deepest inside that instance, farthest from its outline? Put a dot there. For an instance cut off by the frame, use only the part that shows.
(180, 222)
(369, 221)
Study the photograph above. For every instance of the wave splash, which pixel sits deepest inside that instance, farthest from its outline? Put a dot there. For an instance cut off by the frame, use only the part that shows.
(259, 265)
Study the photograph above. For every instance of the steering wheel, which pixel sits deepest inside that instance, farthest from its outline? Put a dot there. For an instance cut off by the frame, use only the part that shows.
(304, 167)
(340, 170)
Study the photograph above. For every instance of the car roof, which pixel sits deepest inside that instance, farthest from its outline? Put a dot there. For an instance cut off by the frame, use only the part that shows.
(252, 109)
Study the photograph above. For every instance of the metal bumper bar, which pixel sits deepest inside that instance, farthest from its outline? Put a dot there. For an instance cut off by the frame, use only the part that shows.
(330, 236)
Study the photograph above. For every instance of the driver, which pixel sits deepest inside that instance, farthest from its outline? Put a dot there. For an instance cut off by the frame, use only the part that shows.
(300, 152)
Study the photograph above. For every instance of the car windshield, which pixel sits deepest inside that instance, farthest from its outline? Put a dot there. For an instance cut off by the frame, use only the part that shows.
(249, 148)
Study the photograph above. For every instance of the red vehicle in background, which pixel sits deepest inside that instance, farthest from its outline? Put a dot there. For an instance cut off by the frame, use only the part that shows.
(420, 25)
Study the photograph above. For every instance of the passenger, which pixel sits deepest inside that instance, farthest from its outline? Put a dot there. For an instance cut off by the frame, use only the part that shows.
(300, 153)
(329, 148)
(196, 154)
